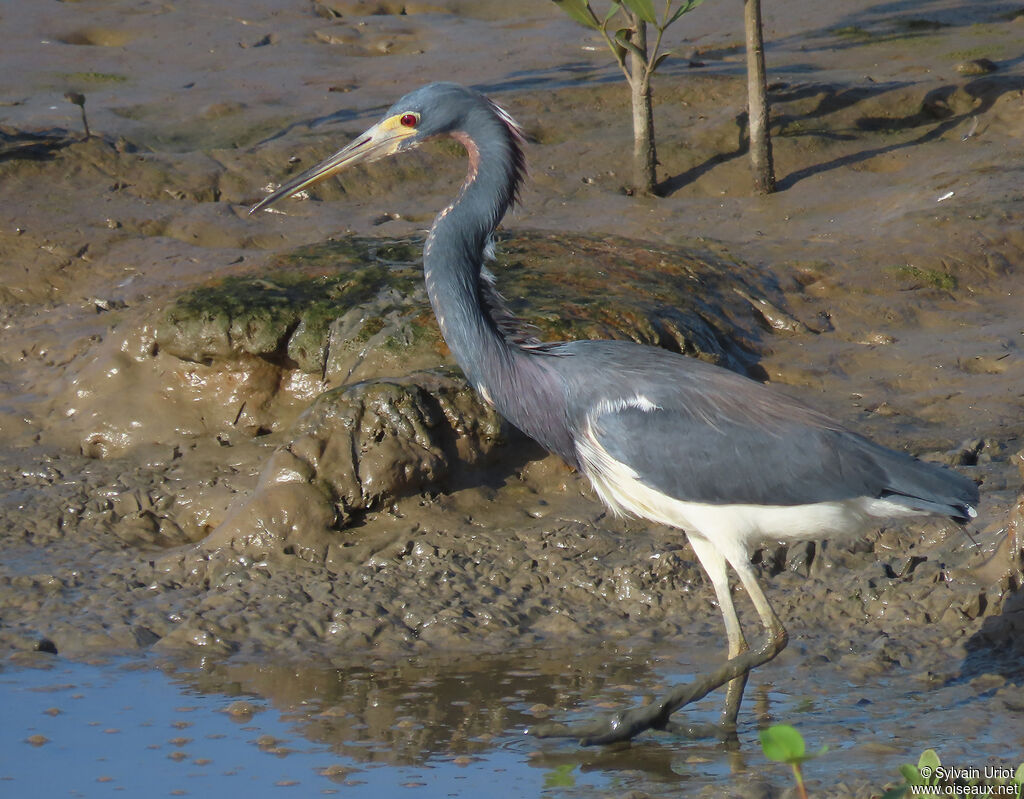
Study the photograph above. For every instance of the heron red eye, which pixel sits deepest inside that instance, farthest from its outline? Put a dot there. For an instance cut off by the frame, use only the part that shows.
(409, 120)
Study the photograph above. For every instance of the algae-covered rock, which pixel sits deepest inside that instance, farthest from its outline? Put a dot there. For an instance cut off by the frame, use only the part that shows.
(354, 449)
(243, 356)
(685, 299)
(322, 303)
(286, 314)
(975, 67)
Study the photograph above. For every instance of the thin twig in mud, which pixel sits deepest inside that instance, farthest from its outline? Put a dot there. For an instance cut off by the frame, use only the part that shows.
(77, 98)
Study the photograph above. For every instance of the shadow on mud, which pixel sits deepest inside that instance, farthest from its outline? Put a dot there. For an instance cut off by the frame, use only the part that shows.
(35, 146)
(998, 647)
(803, 110)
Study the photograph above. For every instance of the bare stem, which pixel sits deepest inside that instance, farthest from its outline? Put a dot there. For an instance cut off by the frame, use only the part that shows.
(77, 98)
(85, 122)
(798, 775)
(761, 160)
(645, 156)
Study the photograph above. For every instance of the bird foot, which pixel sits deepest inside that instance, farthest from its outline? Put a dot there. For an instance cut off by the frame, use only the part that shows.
(627, 724)
(624, 726)
(722, 732)
(610, 729)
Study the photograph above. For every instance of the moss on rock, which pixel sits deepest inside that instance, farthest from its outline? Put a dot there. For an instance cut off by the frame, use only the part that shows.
(345, 292)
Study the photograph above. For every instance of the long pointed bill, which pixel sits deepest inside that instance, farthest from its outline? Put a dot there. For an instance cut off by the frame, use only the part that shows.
(380, 141)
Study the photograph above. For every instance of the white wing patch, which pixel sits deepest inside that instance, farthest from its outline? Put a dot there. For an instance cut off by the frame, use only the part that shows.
(609, 476)
(638, 401)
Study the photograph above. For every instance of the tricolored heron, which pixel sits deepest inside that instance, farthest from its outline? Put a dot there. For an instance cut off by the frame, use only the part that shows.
(661, 436)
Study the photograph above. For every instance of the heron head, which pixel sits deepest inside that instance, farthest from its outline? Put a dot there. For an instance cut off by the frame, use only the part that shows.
(437, 109)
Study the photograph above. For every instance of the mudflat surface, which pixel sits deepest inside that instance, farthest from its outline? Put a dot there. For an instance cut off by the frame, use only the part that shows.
(235, 452)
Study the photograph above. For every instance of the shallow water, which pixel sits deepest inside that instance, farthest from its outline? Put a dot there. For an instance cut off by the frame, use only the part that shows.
(147, 727)
(127, 727)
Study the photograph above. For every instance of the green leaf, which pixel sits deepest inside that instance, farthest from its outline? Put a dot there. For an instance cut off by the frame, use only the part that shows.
(622, 39)
(911, 774)
(929, 759)
(642, 8)
(1018, 775)
(620, 52)
(895, 793)
(613, 9)
(783, 744)
(580, 11)
(686, 7)
(659, 59)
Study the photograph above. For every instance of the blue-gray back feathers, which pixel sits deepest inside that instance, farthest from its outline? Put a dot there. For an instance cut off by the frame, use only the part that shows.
(704, 434)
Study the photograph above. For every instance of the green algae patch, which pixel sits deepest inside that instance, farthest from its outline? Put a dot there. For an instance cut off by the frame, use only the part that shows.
(320, 304)
(688, 300)
(289, 314)
(92, 78)
(254, 315)
(912, 277)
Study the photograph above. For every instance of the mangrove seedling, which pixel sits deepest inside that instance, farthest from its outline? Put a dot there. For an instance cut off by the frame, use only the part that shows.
(929, 778)
(623, 26)
(784, 744)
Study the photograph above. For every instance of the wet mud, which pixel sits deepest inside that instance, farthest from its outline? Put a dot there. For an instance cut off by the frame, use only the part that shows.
(239, 445)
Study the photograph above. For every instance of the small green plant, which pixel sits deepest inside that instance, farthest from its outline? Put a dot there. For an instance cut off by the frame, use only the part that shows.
(924, 775)
(623, 26)
(929, 778)
(784, 744)
(628, 44)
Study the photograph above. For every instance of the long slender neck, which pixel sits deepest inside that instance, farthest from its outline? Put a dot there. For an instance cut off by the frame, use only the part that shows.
(523, 389)
(454, 251)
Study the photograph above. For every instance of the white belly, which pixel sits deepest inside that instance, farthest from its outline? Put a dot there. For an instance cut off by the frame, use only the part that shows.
(740, 524)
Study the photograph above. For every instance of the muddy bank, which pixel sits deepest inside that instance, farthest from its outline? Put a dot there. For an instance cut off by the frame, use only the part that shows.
(232, 369)
(240, 504)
